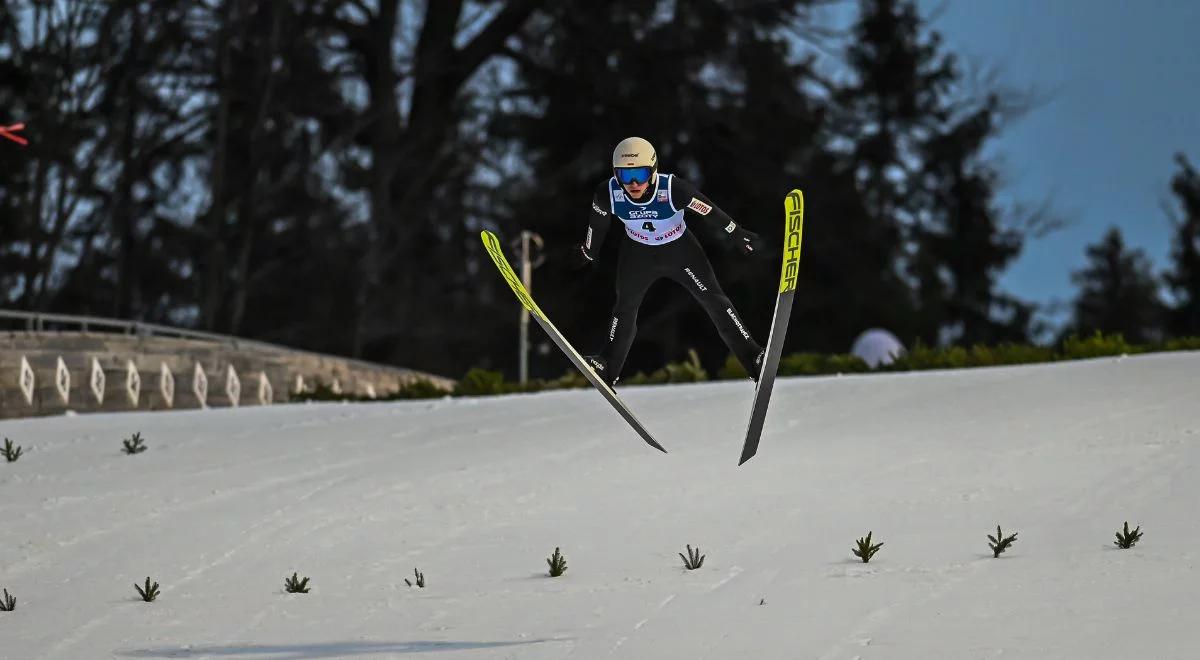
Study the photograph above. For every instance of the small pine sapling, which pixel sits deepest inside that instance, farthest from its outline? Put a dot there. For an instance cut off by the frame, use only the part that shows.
(420, 579)
(865, 550)
(1128, 539)
(1000, 543)
(149, 593)
(293, 585)
(693, 560)
(8, 603)
(11, 453)
(558, 563)
(134, 444)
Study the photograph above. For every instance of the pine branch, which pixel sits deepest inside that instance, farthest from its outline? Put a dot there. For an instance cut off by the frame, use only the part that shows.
(295, 586)
(149, 593)
(865, 550)
(1128, 539)
(558, 563)
(8, 603)
(420, 579)
(1000, 543)
(693, 560)
(9, 453)
(134, 444)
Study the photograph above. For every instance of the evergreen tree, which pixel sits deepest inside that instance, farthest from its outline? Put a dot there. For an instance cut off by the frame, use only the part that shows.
(894, 97)
(897, 95)
(916, 155)
(961, 245)
(1184, 278)
(1118, 293)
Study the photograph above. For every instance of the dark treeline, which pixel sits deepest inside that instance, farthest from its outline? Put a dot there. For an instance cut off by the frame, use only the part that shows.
(1120, 293)
(316, 172)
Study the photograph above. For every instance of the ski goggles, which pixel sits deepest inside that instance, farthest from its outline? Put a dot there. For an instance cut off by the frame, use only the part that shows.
(628, 175)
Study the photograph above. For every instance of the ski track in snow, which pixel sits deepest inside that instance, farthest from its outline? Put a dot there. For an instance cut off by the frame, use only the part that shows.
(475, 491)
(1123, 481)
(250, 537)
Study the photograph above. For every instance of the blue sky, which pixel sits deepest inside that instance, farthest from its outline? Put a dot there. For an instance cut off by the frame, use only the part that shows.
(1119, 82)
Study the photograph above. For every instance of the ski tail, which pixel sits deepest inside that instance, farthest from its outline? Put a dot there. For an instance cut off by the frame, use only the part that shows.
(492, 245)
(793, 234)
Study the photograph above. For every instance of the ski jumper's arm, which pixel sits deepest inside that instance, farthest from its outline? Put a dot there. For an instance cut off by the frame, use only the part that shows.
(699, 210)
(599, 219)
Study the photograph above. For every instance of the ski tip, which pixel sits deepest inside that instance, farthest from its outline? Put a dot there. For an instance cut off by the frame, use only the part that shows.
(745, 457)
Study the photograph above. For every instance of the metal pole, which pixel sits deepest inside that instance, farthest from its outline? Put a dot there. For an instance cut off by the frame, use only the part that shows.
(527, 279)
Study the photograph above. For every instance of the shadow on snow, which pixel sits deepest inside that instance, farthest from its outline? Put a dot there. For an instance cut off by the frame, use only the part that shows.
(306, 651)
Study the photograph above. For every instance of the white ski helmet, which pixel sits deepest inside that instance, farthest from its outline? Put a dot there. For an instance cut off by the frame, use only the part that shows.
(634, 161)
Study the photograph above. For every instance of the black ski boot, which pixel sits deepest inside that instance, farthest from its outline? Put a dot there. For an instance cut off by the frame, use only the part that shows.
(758, 362)
(600, 366)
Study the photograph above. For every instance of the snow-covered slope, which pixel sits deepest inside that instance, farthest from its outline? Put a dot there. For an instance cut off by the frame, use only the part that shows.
(476, 493)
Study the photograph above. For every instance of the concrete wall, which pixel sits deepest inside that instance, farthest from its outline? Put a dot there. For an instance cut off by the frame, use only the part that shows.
(113, 353)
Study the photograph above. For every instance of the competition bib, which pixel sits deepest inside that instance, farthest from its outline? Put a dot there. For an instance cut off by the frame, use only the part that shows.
(653, 222)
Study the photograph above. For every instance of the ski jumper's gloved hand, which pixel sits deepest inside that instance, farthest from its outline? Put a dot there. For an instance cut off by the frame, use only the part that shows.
(701, 212)
(579, 258)
(583, 254)
(748, 243)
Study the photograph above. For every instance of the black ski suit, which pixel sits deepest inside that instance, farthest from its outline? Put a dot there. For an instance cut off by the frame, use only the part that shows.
(655, 247)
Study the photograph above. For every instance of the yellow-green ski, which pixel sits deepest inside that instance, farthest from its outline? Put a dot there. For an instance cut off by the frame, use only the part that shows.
(506, 270)
(793, 234)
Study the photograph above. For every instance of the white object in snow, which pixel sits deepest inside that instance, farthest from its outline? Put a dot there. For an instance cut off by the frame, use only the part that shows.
(877, 347)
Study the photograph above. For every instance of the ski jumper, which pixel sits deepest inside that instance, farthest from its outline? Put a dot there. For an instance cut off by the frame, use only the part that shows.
(658, 244)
